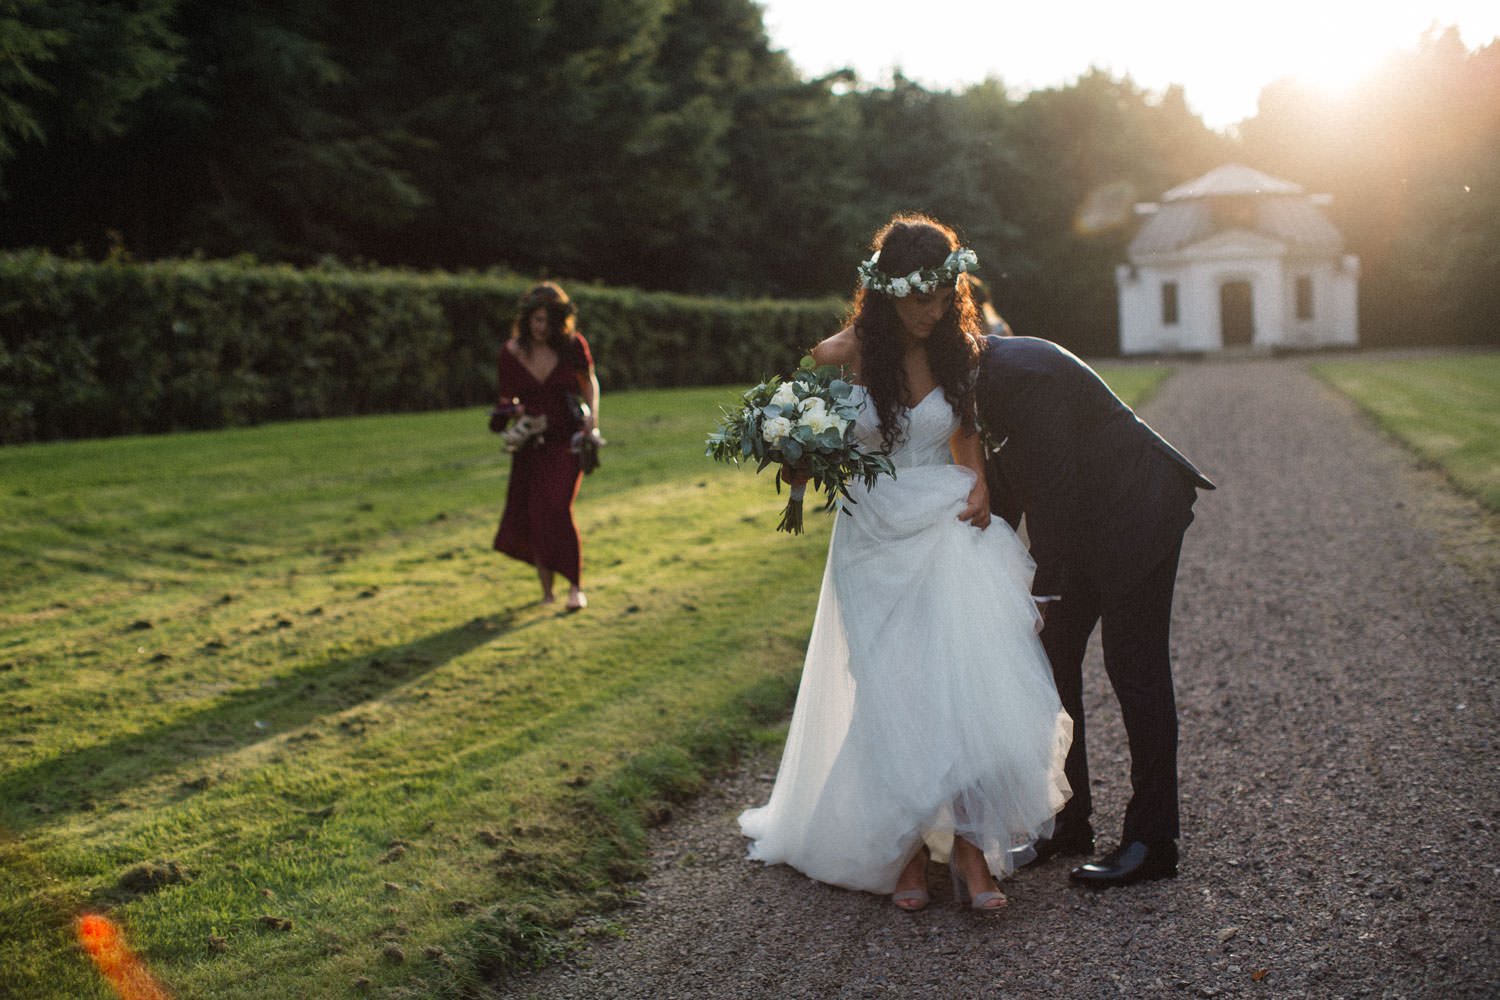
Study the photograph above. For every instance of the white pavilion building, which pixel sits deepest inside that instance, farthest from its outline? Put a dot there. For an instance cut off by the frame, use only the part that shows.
(1237, 260)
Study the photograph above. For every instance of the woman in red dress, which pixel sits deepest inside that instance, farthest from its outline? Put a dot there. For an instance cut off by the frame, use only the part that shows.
(544, 361)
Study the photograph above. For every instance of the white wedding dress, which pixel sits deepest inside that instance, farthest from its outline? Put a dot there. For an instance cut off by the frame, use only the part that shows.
(926, 706)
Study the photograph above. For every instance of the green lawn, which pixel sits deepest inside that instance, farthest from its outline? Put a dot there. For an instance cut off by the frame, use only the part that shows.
(1446, 409)
(269, 700)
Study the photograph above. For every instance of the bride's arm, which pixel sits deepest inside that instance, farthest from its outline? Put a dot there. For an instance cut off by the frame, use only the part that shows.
(968, 451)
(840, 349)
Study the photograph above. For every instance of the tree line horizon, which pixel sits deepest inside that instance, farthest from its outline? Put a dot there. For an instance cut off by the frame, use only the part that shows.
(665, 145)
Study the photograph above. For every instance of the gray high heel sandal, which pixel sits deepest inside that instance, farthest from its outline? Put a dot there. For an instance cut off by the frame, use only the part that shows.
(990, 900)
(911, 900)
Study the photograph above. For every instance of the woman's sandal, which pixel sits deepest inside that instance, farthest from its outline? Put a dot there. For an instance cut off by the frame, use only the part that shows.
(912, 900)
(990, 900)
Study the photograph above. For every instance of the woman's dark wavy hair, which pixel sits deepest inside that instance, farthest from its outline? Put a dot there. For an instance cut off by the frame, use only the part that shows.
(562, 318)
(908, 243)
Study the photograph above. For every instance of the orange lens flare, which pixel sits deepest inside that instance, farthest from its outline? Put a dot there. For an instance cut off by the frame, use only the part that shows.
(102, 939)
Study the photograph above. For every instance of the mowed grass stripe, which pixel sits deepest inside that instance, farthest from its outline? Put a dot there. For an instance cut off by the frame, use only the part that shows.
(302, 681)
(303, 655)
(510, 779)
(203, 782)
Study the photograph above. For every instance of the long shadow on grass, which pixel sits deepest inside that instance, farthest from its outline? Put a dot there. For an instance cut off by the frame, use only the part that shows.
(74, 781)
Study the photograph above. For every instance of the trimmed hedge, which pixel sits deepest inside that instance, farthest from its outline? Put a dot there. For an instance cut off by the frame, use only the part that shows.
(90, 349)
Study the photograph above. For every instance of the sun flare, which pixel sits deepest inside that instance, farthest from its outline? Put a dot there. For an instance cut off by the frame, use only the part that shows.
(105, 944)
(1222, 57)
(1339, 69)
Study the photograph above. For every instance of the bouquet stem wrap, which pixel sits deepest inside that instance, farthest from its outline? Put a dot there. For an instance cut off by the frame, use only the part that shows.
(791, 517)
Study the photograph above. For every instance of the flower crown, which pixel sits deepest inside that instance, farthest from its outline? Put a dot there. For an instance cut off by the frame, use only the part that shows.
(924, 280)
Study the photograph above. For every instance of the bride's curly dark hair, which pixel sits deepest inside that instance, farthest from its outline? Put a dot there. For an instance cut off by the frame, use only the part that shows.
(908, 243)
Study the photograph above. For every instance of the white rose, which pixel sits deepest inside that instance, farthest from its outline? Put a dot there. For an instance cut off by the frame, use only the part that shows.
(785, 395)
(775, 428)
(813, 404)
(822, 420)
(900, 288)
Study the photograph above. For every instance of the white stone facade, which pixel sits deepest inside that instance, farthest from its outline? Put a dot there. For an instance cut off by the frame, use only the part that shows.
(1236, 260)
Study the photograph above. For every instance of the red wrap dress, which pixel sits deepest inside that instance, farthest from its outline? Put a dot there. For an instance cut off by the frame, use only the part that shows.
(537, 526)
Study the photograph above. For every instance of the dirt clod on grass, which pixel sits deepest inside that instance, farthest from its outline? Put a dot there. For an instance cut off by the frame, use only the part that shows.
(149, 877)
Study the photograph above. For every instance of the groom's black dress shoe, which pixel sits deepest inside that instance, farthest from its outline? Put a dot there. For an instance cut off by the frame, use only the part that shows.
(1066, 839)
(1128, 864)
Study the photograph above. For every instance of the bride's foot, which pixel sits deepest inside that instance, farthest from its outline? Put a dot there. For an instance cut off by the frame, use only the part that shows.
(972, 881)
(911, 888)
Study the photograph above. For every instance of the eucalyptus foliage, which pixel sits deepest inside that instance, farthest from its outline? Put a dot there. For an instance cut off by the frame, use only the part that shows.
(804, 422)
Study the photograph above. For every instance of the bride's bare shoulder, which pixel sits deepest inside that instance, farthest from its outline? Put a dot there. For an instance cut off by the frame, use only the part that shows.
(840, 349)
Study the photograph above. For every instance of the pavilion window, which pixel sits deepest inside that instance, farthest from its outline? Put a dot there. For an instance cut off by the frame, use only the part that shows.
(1304, 297)
(1169, 303)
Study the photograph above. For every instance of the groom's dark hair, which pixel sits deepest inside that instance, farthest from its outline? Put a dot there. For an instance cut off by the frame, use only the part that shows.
(911, 242)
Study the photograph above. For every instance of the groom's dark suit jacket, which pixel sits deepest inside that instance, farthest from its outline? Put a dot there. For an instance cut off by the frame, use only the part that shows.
(1104, 495)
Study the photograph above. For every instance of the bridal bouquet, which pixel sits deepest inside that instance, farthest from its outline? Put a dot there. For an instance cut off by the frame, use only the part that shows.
(804, 422)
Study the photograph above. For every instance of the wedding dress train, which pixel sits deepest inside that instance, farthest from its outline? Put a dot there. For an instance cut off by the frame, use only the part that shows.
(926, 705)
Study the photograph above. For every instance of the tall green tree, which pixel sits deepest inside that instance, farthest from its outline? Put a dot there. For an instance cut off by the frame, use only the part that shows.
(73, 73)
(584, 137)
(665, 144)
(1089, 151)
(540, 130)
(242, 142)
(795, 221)
(291, 160)
(76, 65)
(25, 49)
(935, 152)
(777, 215)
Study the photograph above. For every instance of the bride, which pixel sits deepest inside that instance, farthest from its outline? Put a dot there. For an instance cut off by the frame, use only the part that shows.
(927, 726)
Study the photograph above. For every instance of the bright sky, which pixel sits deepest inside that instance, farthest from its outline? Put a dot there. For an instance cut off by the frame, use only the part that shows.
(1221, 51)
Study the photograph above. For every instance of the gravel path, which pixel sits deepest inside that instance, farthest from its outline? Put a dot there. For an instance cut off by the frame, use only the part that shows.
(1337, 643)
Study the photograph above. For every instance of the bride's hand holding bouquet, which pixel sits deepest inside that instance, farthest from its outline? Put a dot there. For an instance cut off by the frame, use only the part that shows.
(804, 422)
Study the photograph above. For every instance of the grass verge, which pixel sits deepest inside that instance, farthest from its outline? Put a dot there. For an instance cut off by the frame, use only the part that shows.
(1446, 409)
(268, 699)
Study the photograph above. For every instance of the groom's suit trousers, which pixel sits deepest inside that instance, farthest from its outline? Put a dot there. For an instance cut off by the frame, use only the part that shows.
(1106, 501)
(1135, 632)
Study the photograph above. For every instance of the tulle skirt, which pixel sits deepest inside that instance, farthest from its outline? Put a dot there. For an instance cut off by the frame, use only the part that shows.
(926, 707)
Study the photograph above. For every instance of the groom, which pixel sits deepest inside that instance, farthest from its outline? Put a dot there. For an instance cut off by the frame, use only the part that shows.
(1106, 501)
